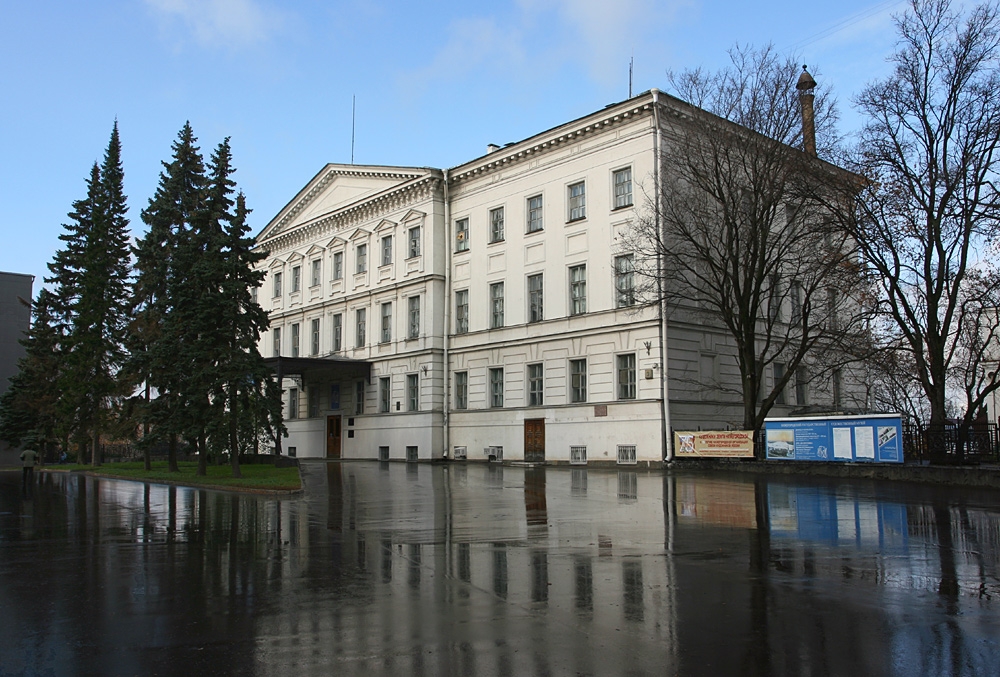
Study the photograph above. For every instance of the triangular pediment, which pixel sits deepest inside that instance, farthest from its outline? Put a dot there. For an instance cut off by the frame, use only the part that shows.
(276, 263)
(385, 225)
(315, 249)
(335, 188)
(413, 215)
(360, 235)
(336, 243)
(295, 257)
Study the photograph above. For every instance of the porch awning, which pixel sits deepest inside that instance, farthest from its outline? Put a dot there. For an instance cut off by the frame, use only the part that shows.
(334, 367)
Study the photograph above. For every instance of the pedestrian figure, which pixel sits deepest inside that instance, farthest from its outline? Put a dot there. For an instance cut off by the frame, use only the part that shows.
(28, 458)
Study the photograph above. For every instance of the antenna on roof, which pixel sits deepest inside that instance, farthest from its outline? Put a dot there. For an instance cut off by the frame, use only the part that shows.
(631, 61)
(353, 108)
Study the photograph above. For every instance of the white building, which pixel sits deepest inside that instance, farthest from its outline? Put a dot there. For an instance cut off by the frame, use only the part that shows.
(486, 309)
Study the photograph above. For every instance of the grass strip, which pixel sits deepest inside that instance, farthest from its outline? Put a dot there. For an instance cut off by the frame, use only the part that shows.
(257, 476)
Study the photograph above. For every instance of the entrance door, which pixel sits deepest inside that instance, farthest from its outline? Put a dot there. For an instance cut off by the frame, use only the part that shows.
(333, 436)
(534, 440)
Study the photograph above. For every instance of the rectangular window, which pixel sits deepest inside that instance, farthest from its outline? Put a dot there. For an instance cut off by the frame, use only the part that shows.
(837, 385)
(801, 387)
(296, 278)
(359, 334)
(536, 385)
(413, 304)
(387, 250)
(535, 310)
(462, 235)
(623, 188)
(496, 305)
(386, 335)
(462, 311)
(578, 290)
(496, 224)
(313, 401)
(314, 334)
(384, 394)
(277, 285)
(461, 390)
(578, 455)
(578, 380)
(277, 341)
(338, 332)
(577, 200)
(414, 242)
(293, 403)
(496, 387)
(413, 392)
(795, 299)
(362, 259)
(626, 456)
(295, 340)
(624, 281)
(534, 214)
(778, 373)
(774, 299)
(316, 268)
(359, 397)
(626, 376)
(338, 266)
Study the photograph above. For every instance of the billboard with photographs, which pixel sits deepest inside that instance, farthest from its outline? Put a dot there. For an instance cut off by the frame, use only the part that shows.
(714, 444)
(864, 439)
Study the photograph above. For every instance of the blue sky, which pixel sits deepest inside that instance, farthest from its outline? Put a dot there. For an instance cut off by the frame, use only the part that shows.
(434, 83)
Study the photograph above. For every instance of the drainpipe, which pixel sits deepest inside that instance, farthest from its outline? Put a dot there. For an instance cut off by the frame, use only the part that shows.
(447, 317)
(665, 438)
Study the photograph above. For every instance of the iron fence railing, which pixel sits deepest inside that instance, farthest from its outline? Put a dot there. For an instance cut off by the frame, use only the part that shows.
(952, 443)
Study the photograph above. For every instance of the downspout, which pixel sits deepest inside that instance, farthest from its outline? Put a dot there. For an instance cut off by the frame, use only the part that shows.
(665, 432)
(447, 317)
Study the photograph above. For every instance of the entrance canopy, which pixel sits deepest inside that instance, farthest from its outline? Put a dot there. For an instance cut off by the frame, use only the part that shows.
(312, 368)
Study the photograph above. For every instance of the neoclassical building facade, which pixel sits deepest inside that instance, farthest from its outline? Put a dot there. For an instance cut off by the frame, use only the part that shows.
(486, 311)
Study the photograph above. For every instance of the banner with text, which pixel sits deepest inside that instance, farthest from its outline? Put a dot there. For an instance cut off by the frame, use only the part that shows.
(714, 444)
(877, 438)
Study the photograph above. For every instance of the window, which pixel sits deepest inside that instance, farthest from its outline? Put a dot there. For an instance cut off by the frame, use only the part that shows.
(626, 456)
(414, 242)
(362, 261)
(535, 301)
(277, 285)
(338, 332)
(462, 311)
(313, 401)
(774, 300)
(359, 397)
(496, 386)
(253, 294)
(624, 281)
(496, 224)
(387, 250)
(338, 266)
(461, 390)
(801, 386)
(578, 290)
(295, 340)
(314, 332)
(577, 198)
(778, 373)
(623, 187)
(536, 385)
(462, 235)
(386, 335)
(578, 380)
(496, 305)
(413, 392)
(316, 268)
(277, 341)
(413, 304)
(384, 394)
(296, 278)
(578, 455)
(293, 403)
(626, 376)
(359, 335)
(795, 298)
(837, 385)
(534, 214)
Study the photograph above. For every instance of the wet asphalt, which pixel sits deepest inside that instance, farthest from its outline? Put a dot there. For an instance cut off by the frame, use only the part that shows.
(475, 569)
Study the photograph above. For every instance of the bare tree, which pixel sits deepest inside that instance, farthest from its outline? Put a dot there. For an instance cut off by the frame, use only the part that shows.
(928, 211)
(737, 235)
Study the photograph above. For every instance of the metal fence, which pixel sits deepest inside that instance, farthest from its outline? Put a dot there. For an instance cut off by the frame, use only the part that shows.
(952, 443)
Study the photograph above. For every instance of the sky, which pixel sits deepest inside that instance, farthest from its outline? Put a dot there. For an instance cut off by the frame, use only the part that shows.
(431, 83)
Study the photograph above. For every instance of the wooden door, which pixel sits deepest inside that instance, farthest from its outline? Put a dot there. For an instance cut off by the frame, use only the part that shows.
(333, 436)
(534, 440)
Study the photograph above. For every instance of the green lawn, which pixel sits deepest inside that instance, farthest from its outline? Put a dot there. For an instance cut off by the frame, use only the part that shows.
(257, 476)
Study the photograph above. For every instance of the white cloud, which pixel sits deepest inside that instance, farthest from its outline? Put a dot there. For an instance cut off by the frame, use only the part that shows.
(228, 23)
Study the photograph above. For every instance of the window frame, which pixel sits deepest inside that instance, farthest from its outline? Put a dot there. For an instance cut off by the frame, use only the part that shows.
(462, 311)
(624, 281)
(360, 327)
(296, 279)
(577, 380)
(495, 385)
(535, 214)
(497, 305)
(293, 403)
(536, 384)
(385, 325)
(413, 392)
(496, 216)
(413, 317)
(576, 203)
(462, 234)
(622, 199)
(295, 339)
(536, 297)
(384, 394)
(276, 289)
(276, 341)
(461, 390)
(413, 242)
(361, 259)
(625, 376)
(386, 250)
(337, 340)
(314, 337)
(578, 301)
(359, 397)
(316, 273)
(338, 265)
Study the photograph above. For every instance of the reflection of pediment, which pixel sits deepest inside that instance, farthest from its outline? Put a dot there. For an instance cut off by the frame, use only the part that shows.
(337, 187)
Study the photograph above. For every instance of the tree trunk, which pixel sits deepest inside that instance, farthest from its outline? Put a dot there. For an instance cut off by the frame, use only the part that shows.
(202, 456)
(95, 455)
(172, 453)
(146, 461)
(234, 447)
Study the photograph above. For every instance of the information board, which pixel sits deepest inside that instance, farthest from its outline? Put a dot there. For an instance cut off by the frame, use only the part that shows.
(876, 438)
(714, 444)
